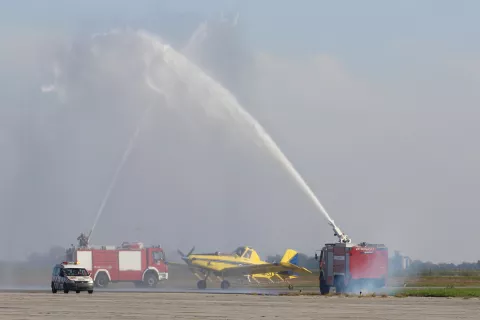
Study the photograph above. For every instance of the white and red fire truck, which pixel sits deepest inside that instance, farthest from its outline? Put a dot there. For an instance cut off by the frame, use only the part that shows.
(130, 262)
(352, 267)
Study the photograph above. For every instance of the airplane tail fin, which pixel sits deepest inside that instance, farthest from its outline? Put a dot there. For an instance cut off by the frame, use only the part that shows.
(290, 256)
(290, 261)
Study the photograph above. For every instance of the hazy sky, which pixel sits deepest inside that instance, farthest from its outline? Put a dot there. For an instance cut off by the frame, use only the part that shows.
(375, 103)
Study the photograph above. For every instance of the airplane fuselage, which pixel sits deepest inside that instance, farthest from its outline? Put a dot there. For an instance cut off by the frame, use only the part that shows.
(224, 261)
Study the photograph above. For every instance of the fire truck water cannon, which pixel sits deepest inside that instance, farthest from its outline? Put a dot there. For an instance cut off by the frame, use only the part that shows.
(343, 238)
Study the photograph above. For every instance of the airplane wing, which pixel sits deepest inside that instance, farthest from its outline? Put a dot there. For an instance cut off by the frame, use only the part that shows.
(240, 270)
(264, 268)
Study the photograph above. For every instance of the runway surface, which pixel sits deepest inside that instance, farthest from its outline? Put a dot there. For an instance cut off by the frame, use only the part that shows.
(187, 289)
(45, 289)
(136, 305)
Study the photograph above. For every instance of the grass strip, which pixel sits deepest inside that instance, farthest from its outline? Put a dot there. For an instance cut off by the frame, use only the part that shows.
(440, 292)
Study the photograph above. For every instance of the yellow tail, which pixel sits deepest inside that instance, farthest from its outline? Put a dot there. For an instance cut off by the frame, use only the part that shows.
(290, 256)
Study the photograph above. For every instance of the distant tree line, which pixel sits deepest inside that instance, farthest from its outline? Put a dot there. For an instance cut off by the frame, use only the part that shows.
(55, 255)
(420, 268)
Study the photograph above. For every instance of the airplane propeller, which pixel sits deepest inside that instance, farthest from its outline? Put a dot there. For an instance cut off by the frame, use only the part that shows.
(183, 256)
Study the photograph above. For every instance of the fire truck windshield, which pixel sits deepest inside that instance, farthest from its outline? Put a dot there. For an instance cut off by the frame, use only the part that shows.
(75, 272)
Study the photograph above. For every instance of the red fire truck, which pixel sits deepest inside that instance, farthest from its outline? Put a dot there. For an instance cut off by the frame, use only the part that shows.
(352, 267)
(130, 262)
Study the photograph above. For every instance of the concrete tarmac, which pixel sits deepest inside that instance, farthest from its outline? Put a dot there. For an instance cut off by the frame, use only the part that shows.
(136, 305)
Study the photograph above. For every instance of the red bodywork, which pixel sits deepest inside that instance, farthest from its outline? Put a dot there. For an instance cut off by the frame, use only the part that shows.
(349, 266)
(131, 262)
(368, 263)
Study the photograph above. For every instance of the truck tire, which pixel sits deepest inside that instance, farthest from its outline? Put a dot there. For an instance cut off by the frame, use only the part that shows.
(102, 280)
(324, 288)
(150, 280)
(53, 288)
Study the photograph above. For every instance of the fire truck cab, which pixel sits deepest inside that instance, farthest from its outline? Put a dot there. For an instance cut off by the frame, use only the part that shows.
(352, 267)
(130, 262)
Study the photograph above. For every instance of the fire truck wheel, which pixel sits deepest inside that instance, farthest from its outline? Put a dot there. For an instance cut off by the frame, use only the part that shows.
(151, 280)
(65, 290)
(101, 280)
(324, 288)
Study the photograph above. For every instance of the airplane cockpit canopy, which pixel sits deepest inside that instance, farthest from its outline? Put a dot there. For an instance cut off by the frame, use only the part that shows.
(239, 251)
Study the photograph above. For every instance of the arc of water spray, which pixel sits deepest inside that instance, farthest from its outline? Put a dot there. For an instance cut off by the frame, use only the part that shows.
(185, 69)
(119, 168)
(282, 158)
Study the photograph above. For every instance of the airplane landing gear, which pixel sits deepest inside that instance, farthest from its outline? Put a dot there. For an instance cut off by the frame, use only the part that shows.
(201, 284)
(225, 284)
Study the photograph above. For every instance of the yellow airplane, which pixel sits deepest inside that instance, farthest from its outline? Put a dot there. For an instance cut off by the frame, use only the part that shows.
(244, 262)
